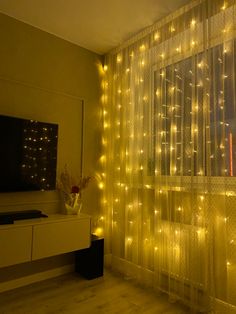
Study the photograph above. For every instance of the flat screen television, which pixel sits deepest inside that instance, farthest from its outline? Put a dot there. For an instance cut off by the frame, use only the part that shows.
(28, 154)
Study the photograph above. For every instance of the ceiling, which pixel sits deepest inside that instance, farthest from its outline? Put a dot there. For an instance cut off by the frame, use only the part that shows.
(97, 25)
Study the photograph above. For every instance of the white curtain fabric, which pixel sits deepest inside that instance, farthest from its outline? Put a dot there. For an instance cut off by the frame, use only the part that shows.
(170, 155)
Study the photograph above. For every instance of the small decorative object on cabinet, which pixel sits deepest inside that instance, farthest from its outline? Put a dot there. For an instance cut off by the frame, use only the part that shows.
(71, 190)
(89, 262)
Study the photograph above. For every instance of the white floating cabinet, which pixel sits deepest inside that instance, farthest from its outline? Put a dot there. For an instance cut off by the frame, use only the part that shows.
(60, 237)
(15, 245)
(33, 239)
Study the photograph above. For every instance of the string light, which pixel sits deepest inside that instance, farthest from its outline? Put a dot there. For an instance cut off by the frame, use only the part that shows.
(224, 6)
(118, 59)
(142, 47)
(129, 240)
(178, 49)
(162, 56)
(157, 36)
(177, 150)
(193, 23)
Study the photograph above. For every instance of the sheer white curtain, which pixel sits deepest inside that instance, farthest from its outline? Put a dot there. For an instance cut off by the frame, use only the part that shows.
(170, 156)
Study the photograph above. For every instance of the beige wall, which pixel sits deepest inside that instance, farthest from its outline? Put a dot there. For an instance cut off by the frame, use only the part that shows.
(46, 78)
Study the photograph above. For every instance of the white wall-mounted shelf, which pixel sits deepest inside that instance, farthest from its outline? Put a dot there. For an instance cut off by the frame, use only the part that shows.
(32, 239)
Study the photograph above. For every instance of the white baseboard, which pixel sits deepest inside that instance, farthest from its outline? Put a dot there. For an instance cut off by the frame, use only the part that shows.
(23, 281)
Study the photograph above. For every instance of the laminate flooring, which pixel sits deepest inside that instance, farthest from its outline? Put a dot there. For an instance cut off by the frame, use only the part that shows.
(71, 294)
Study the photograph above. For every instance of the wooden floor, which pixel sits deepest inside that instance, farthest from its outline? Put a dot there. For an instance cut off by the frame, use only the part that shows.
(72, 294)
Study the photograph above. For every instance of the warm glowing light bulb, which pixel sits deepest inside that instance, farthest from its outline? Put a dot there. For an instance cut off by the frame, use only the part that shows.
(118, 59)
(200, 64)
(105, 68)
(193, 22)
(178, 49)
(101, 185)
(162, 55)
(142, 48)
(156, 36)
(224, 6)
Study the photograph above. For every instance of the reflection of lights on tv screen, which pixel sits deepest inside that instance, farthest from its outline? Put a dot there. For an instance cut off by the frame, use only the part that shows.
(28, 154)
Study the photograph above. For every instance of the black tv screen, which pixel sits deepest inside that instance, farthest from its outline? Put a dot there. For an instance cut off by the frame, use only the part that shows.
(28, 155)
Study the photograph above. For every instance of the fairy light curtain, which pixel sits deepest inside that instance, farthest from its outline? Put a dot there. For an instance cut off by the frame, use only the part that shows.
(170, 147)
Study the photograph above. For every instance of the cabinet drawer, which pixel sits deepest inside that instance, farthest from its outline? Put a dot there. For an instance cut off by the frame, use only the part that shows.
(15, 246)
(60, 237)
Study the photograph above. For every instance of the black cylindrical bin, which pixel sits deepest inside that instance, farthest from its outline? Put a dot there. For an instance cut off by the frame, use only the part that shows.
(89, 262)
